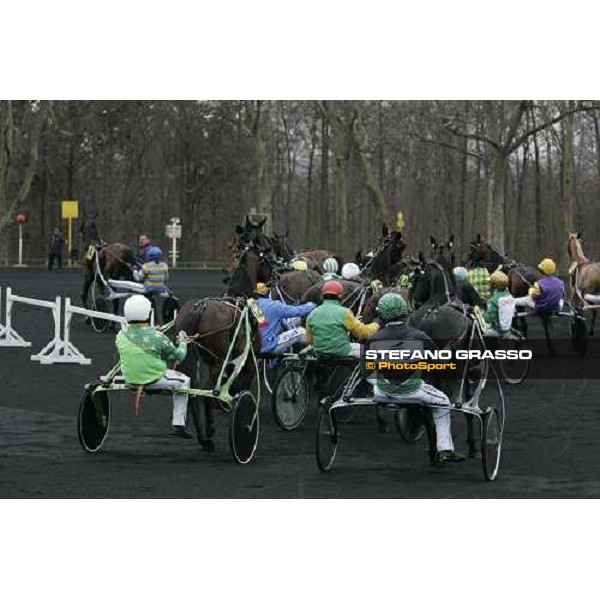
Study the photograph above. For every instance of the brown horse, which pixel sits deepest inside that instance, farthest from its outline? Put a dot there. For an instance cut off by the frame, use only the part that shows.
(520, 277)
(251, 267)
(584, 276)
(289, 287)
(213, 321)
(113, 261)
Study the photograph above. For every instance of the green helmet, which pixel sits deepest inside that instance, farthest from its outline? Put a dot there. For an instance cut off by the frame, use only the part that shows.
(391, 306)
(330, 265)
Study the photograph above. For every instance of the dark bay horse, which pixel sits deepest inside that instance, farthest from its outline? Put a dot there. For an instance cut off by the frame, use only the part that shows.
(440, 315)
(281, 247)
(383, 264)
(213, 321)
(249, 234)
(113, 261)
(520, 277)
(252, 266)
(290, 287)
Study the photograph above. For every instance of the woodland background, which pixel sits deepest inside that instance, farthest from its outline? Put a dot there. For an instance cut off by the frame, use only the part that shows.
(522, 173)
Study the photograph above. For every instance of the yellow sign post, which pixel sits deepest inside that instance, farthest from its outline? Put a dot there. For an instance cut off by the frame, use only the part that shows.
(70, 211)
(399, 220)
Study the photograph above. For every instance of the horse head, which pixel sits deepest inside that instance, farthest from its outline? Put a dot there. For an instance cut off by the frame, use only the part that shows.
(433, 284)
(485, 254)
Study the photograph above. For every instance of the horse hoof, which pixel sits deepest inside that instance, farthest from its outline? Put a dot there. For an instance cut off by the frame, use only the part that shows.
(474, 453)
(208, 446)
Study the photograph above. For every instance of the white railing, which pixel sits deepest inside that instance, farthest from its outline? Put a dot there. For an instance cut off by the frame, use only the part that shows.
(60, 350)
(9, 337)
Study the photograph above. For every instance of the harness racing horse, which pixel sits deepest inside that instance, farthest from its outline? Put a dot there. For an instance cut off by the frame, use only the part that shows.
(213, 322)
(520, 277)
(113, 261)
(252, 266)
(584, 277)
(281, 247)
(290, 287)
(385, 263)
(250, 234)
(440, 315)
(438, 250)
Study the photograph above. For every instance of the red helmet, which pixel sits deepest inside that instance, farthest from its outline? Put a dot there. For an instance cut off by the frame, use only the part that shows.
(332, 288)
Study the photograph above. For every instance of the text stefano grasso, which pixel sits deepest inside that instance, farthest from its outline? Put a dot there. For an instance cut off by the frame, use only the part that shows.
(415, 355)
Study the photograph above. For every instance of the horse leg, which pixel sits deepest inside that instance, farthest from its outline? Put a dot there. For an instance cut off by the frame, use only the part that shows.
(551, 351)
(382, 426)
(431, 437)
(474, 451)
(593, 322)
(87, 282)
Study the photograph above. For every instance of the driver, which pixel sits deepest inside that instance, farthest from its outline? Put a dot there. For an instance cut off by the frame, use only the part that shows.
(546, 294)
(393, 310)
(501, 306)
(330, 268)
(279, 316)
(465, 291)
(327, 327)
(144, 353)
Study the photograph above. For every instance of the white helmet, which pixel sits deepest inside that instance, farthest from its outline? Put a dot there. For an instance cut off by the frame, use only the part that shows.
(350, 271)
(137, 308)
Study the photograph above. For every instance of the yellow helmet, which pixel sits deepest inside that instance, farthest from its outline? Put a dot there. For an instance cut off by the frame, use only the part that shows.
(261, 288)
(299, 265)
(499, 280)
(547, 266)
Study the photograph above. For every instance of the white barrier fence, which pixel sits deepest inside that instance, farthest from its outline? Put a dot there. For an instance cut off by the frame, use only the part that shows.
(60, 350)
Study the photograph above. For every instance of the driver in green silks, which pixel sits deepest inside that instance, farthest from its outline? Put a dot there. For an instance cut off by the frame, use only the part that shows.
(144, 353)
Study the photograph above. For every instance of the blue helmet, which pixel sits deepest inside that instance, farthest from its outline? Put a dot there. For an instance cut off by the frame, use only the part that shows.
(154, 253)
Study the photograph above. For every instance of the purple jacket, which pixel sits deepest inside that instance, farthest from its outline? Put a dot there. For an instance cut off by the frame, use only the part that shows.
(553, 290)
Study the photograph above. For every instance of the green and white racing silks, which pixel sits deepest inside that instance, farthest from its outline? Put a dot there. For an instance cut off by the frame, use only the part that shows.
(144, 353)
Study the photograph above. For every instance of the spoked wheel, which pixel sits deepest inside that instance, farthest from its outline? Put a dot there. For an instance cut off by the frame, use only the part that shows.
(514, 371)
(100, 304)
(579, 335)
(327, 438)
(409, 424)
(93, 420)
(475, 377)
(491, 443)
(243, 427)
(289, 399)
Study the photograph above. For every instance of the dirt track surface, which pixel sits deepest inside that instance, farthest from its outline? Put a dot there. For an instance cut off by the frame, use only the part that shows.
(552, 440)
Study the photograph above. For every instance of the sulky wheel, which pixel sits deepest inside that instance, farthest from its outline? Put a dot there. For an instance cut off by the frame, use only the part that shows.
(327, 438)
(491, 443)
(514, 371)
(409, 424)
(579, 334)
(93, 420)
(289, 399)
(243, 427)
(100, 304)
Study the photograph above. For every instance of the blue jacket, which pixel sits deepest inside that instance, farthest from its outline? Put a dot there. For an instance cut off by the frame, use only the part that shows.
(142, 257)
(275, 312)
